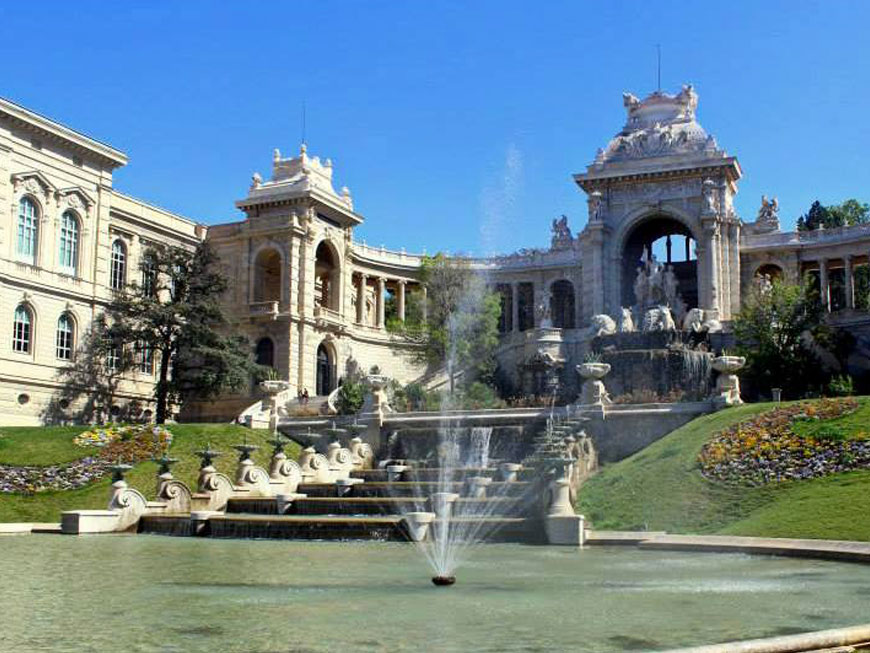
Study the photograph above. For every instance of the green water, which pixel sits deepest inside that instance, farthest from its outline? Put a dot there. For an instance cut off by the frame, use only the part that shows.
(153, 593)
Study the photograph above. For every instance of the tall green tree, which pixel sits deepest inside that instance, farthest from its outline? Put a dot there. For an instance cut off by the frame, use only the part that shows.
(460, 331)
(779, 330)
(847, 214)
(173, 319)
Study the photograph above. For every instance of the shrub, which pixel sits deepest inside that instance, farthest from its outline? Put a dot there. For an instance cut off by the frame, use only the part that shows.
(350, 397)
(841, 386)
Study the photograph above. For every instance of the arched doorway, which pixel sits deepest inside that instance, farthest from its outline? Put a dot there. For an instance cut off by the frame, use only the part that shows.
(326, 277)
(267, 276)
(265, 352)
(562, 304)
(325, 371)
(770, 271)
(671, 243)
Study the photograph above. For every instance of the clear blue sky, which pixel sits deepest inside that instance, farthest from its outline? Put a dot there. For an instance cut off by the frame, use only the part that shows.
(457, 125)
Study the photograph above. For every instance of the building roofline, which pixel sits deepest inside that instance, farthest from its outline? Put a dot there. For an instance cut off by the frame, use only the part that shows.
(116, 157)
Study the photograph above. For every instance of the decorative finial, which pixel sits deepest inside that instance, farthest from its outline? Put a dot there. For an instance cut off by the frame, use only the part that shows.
(303, 148)
(276, 155)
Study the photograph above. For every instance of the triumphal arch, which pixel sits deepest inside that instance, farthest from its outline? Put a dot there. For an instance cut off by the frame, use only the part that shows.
(662, 180)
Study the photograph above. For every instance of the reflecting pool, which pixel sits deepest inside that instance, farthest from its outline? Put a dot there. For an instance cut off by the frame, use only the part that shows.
(152, 593)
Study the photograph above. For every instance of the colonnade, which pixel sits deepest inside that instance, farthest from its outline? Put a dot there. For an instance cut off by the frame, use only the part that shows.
(848, 264)
(381, 284)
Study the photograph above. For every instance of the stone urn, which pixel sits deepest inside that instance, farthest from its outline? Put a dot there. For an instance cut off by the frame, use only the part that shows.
(380, 403)
(273, 388)
(593, 391)
(727, 384)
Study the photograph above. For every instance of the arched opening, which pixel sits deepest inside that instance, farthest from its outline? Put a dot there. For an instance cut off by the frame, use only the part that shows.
(562, 304)
(264, 352)
(672, 244)
(325, 371)
(770, 271)
(326, 277)
(267, 276)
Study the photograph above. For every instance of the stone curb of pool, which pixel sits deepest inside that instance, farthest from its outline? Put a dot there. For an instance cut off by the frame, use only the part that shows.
(837, 640)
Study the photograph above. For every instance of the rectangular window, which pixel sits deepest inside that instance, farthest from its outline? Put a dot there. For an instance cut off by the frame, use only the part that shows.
(145, 356)
(64, 342)
(113, 357)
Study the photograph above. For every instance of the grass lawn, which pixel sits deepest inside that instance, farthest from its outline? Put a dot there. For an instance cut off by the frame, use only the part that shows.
(661, 488)
(22, 446)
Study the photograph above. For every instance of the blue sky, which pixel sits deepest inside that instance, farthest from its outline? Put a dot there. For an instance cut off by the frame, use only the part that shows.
(456, 125)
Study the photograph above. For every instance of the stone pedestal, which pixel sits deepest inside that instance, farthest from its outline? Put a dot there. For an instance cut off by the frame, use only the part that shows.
(593, 392)
(727, 384)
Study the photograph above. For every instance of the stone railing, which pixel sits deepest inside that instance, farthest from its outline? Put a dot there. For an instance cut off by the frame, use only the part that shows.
(264, 309)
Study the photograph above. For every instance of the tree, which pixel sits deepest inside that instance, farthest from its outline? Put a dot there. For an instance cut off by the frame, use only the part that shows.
(817, 216)
(461, 328)
(847, 214)
(91, 380)
(174, 317)
(779, 330)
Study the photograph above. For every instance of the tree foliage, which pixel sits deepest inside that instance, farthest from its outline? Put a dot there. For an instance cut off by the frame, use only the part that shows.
(849, 213)
(780, 330)
(460, 331)
(175, 313)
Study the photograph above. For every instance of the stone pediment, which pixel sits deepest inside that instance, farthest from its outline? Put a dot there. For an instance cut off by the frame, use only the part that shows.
(33, 182)
(75, 197)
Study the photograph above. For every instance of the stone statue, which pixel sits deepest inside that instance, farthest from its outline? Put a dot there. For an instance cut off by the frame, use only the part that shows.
(669, 285)
(256, 180)
(658, 319)
(601, 325)
(641, 287)
(626, 322)
(594, 204)
(768, 216)
(694, 320)
(543, 311)
(562, 238)
(708, 189)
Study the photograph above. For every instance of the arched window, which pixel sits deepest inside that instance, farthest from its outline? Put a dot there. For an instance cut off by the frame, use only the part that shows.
(69, 242)
(65, 337)
(28, 229)
(118, 276)
(265, 352)
(22, 329)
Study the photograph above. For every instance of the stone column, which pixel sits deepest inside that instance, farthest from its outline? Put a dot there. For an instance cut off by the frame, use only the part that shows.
(361, 299)
(734, 266)
(824, 288)
(380, 301)
(711, 250)
(724, 271)
(400, 299)
(850, 282)
(515, 306)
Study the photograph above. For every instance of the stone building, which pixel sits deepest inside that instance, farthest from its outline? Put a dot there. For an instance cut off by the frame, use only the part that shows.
(661, 228)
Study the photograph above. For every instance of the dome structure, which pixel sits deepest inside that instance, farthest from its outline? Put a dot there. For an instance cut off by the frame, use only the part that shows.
(659, 125)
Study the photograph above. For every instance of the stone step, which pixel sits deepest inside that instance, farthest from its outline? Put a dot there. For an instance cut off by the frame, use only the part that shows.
(306, 527)
(409, 488)
(423, 474)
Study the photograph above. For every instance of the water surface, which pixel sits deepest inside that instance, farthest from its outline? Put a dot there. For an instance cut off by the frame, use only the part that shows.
(154, 593)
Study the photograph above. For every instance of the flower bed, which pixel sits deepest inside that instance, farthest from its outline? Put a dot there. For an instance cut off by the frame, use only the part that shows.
(767, 449)
(129, 444)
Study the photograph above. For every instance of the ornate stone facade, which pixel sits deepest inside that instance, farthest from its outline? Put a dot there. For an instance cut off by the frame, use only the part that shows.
(312, 299)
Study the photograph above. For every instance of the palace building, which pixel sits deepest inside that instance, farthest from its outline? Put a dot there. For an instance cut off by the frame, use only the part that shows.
(661, 228)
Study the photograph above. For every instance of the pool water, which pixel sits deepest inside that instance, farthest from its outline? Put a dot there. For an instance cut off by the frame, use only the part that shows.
(154, 593)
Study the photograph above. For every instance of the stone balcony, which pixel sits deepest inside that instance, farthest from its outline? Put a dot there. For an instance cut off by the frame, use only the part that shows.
(264, 310)
(326, 318)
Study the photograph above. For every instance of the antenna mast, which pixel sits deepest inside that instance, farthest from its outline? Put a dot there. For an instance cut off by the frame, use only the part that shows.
(659, 67)
(303, 122)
